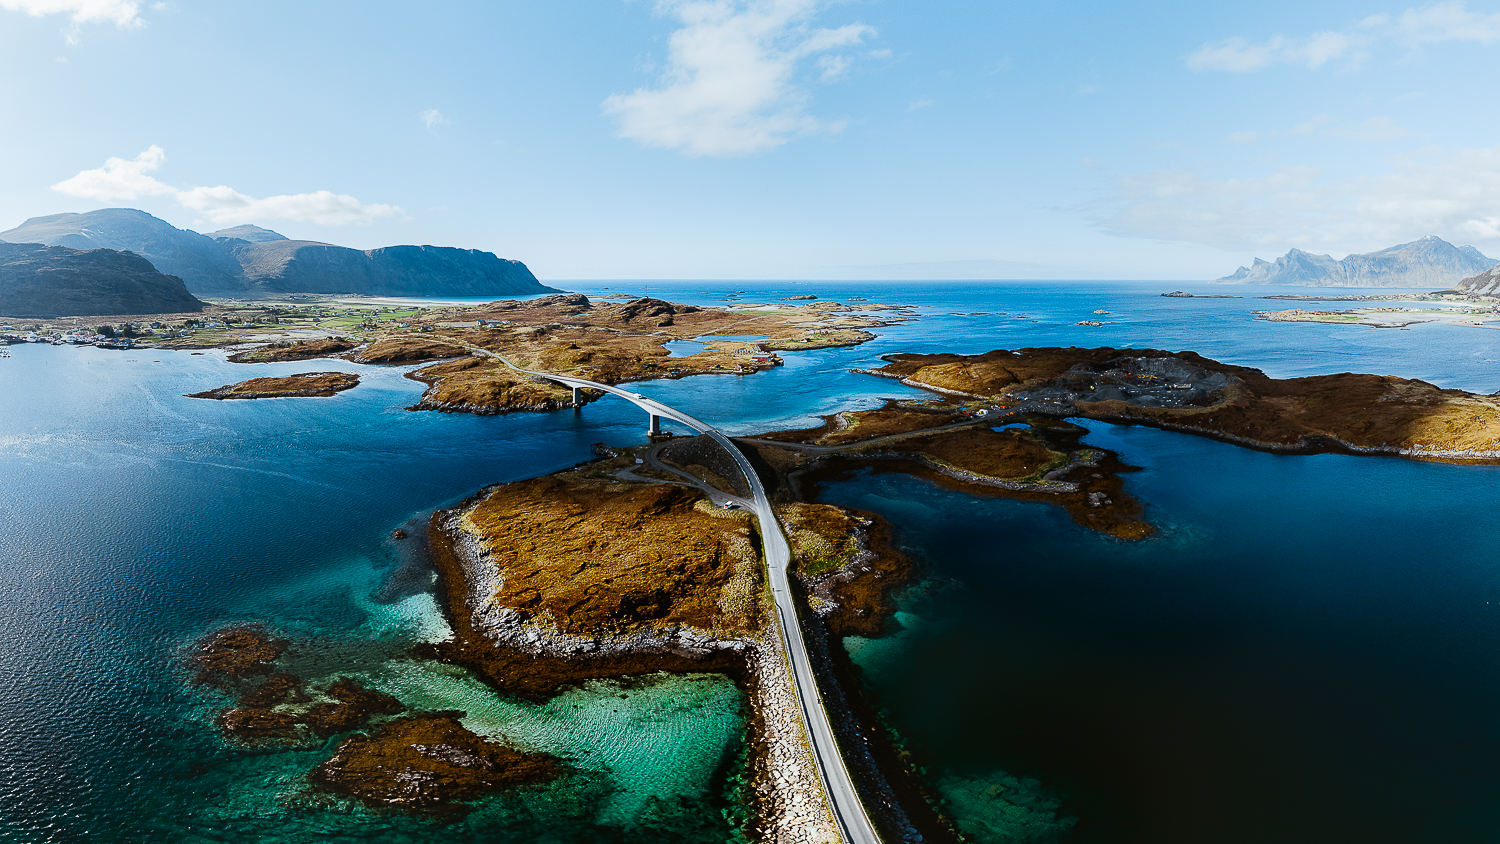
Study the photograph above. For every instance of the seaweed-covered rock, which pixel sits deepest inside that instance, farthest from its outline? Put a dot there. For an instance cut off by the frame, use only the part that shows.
(234, 653)
(427, 761)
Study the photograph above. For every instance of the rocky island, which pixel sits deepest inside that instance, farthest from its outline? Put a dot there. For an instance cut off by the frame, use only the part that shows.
(305, 384)
(1358, 414)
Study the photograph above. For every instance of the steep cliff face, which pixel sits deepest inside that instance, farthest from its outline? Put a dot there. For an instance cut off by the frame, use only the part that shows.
(51, 281)
(1485, 284)
(1428, 262)
(252, 261)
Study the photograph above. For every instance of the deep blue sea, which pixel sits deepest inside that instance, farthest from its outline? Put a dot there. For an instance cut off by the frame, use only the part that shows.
(1306, 652)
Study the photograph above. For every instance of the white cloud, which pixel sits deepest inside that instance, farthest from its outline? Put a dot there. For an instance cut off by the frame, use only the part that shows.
(730, 86)
(227, 206)
(919, 104)
(122, 13)
(1242, 137)
(1432, 24)
(120, 179)
(432, 118)
(1454, 193)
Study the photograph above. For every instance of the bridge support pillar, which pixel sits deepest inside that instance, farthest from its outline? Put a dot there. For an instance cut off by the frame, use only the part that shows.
(655, 427)
(575, 398)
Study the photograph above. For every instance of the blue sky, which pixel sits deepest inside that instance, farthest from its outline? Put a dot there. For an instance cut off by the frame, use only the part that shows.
(770, 139)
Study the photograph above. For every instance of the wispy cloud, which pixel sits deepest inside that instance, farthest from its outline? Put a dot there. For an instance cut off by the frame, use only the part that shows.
(122, 13)
(432, 118)
(1242, 137)
(1372, 130)
(1433, 24)
(127, 179)
(730, 87)
(1449, 192)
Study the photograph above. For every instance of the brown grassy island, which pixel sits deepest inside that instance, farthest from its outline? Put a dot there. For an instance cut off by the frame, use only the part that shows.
(1183, 391)
(303, 384)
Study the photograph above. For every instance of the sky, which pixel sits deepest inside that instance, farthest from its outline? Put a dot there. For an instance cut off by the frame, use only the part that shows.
(770, 139)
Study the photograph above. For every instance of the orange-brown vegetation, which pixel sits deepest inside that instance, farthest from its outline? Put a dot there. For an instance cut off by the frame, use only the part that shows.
(894, 418)
(585, 555)
(485, 386)
(847, 562)
(1011, 455)
(397, 350)
(290, 386)
(426, 761)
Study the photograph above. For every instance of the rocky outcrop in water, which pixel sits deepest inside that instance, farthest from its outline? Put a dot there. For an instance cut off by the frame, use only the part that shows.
(1429, 262)
(52, 281)
(249, 261)
(428, 760)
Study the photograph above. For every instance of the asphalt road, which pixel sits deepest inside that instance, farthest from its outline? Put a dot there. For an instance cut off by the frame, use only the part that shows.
(848, 811)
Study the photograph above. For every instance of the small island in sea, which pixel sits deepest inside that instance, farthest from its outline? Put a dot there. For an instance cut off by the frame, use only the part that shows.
(289, 386)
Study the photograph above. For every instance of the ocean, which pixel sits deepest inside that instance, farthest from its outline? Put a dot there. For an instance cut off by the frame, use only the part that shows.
(1302, 654)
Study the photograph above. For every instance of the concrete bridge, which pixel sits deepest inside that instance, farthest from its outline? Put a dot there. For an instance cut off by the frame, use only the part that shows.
(849, 812)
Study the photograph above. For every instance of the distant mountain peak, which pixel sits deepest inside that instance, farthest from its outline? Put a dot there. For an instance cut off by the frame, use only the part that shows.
(1428, 261)
(248, 233)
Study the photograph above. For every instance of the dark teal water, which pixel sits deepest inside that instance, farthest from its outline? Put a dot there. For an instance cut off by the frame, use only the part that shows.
(1303, 654)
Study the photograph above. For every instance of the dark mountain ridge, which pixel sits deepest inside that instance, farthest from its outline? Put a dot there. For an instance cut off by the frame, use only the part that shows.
(249, 261)
(51, 281)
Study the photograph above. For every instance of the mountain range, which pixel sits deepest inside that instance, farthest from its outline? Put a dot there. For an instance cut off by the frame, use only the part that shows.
(1428, 262)
(51, 281)
(249, 261)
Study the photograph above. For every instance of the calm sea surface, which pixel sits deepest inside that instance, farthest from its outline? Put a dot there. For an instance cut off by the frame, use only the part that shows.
(1305, 653)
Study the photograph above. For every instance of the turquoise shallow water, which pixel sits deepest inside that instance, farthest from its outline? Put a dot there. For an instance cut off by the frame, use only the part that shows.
(1302, 632)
